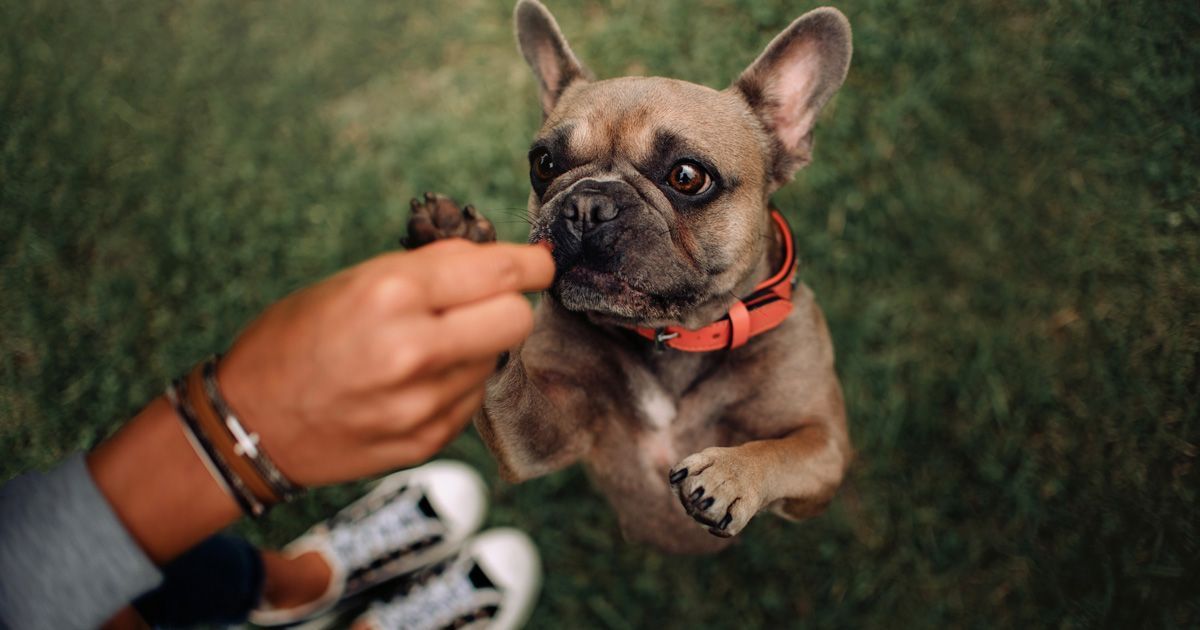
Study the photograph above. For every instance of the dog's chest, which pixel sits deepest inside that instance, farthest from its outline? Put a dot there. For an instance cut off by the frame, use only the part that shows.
(655, 411)
(655, 407)
(667, 421)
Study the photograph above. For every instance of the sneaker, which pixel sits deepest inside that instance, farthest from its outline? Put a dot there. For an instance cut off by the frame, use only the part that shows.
(409, 520)
(492, 583)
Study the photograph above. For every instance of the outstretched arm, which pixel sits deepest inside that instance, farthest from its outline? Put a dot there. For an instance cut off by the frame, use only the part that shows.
(375, 368)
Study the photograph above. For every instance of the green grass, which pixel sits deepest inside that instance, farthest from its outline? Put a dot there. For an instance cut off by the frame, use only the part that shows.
(1002, 222)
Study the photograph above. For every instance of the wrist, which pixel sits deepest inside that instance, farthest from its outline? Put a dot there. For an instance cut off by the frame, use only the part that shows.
(157, 485)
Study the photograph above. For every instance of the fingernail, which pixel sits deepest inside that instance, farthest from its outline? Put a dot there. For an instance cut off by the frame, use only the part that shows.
(697, 494)
(725, 521)
(677, 476)
(707, 503)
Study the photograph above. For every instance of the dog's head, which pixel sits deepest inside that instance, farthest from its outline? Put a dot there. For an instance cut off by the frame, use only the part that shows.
(653, 191)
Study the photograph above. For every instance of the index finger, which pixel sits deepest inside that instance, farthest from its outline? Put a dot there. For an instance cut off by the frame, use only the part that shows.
(455, 275)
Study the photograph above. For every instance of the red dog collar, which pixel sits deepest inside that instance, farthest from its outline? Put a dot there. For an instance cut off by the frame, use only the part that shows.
(765, 308)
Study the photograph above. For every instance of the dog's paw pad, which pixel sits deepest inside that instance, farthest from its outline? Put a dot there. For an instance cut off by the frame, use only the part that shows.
(438, 217)
(716, 490)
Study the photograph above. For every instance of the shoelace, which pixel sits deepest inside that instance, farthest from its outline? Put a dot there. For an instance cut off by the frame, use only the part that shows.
(439, 601)
(397, 523)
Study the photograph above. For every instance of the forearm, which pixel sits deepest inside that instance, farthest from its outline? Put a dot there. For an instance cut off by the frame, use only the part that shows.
(809, 464)
(157, 485)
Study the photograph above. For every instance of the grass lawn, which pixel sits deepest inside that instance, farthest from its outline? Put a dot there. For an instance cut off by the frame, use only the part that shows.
(1002, 222)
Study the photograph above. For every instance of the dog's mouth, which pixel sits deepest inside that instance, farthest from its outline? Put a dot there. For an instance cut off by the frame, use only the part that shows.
(612, 297)
(610, 279)
(582, 287)
(606, 283)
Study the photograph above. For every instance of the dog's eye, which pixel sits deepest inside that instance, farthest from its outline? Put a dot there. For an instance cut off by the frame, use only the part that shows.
(542, 165)
(689, 178)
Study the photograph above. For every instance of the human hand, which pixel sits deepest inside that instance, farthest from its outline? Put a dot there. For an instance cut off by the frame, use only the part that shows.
(381, 365)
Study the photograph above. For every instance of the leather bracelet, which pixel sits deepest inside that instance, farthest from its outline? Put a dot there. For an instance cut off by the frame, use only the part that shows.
(224, 441)
(177, 394)
(247, 444)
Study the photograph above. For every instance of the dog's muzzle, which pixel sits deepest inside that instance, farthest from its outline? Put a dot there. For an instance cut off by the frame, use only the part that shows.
(585, 216)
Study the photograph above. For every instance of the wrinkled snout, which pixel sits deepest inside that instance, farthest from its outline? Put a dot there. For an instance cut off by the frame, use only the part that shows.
(585, 218)
(591, 203)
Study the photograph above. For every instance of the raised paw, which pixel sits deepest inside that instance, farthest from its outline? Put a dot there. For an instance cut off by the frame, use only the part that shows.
(718, 488)
(439, 217)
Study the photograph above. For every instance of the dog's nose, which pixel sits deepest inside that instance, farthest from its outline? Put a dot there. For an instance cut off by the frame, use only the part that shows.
(586, 209)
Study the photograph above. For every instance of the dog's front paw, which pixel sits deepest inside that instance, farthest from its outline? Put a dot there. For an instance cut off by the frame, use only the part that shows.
(438, 217)
(718, 489)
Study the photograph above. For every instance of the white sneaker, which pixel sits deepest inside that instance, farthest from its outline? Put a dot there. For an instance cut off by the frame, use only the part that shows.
(492, 583)
(409, 520)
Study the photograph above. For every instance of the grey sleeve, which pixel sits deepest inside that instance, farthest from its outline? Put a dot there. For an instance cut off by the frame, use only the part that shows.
(65, 560)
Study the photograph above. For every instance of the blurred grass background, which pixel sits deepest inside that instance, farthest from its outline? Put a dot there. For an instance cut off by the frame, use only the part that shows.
(1002, 222)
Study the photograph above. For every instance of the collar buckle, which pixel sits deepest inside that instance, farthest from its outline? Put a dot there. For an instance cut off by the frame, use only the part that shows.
(661, 337)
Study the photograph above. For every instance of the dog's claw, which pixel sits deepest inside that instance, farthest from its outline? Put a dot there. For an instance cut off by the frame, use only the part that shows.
(715, 492)
(438, 217)
(721, 529)
(720, 533)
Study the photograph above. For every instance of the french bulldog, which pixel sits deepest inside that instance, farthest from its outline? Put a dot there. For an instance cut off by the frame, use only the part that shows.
(672, 356)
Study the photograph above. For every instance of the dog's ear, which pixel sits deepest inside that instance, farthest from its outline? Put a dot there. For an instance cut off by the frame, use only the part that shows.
(547, 52)
(792, 80)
